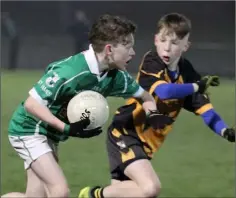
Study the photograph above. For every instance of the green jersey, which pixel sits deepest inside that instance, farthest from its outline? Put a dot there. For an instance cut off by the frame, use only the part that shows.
(62, 81)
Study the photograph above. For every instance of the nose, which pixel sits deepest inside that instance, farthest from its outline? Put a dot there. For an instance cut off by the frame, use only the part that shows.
(132, 52)
(167, 46)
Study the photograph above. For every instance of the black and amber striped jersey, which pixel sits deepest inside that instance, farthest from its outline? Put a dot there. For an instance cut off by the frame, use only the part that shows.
(131, 118)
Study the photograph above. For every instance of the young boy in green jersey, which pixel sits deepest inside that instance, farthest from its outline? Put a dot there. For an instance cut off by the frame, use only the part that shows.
(40, 122)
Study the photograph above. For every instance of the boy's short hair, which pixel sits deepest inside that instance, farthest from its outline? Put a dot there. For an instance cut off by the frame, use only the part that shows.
(175, 23)
(110, 29)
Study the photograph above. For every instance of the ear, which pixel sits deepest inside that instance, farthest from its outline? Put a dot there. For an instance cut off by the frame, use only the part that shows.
(155, 39)
(108, 49)
(186, 47)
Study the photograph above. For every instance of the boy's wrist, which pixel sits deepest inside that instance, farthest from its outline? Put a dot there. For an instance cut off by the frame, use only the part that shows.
(66, 128)
(195, 87)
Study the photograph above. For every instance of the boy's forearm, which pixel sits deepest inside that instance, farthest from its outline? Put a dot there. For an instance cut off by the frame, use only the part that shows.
(42, 112)
(175, 91)
(214, 121)
(148, 102)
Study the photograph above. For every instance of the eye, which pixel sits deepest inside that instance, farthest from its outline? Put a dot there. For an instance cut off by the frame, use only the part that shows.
(162, 40)
(129, 46)
(175, 42)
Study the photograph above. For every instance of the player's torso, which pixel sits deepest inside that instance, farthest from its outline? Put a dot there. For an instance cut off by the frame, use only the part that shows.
(170, 107)
(135, 121)
(23, 123)
(133, 115)
(103, 85)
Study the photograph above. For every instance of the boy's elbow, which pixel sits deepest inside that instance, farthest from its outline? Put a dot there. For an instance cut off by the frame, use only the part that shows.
(28, 104)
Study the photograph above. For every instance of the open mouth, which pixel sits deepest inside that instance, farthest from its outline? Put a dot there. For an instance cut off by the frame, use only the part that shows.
(127, 62)
(166, 58)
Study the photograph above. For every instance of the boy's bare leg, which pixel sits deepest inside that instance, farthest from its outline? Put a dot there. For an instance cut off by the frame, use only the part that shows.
(144, 182)
(49, 172)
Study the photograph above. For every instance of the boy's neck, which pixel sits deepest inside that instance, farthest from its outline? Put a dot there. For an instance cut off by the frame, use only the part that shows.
(173, 66)
(102, 62)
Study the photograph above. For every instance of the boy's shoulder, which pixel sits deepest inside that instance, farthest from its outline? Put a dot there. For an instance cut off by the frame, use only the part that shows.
(187, 70)
(70, 66)
(151, 62)
(185, 64)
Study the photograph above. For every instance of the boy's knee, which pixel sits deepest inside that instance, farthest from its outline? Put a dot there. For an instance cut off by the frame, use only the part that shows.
(151, 189)
(59, 191)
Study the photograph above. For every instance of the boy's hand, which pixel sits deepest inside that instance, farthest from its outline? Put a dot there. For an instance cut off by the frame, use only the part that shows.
(158, 120)
(78, 129)
(206, 82)
(229, 134)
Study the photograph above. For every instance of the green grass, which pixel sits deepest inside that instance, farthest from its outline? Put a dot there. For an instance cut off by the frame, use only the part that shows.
(193, 162)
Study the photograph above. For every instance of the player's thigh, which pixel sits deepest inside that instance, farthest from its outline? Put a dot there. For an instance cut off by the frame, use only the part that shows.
(48, 170)
(31, 147)
(122, 151)
(35, 186)
(142, 172)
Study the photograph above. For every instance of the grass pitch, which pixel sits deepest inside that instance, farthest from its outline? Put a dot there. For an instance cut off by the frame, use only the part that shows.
(193, 162)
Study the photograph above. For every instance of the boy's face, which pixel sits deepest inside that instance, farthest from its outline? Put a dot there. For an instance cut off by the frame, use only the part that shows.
(120, 55)
(169, 46)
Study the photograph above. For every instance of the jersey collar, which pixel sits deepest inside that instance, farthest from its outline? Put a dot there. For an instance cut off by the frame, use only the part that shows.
(91, 60)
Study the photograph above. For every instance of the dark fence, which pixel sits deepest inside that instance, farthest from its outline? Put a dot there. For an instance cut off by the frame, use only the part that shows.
(43, 38)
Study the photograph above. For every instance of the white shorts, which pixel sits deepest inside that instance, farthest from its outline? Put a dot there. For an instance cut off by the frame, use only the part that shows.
(32, 147)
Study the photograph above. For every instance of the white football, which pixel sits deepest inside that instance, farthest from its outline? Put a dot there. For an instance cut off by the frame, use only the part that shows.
(89, 104)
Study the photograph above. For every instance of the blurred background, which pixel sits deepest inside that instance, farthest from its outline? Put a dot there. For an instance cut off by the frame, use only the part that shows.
(46, 31)
(193, 161)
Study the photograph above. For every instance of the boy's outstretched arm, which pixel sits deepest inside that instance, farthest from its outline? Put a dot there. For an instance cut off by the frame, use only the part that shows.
(213, 120)
(175, 91)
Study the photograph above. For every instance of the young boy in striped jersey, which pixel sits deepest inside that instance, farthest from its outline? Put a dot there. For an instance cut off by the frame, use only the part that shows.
(175, 85)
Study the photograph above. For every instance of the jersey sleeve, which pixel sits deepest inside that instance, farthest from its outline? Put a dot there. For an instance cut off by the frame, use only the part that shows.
(151, 72)
(125, 86)
(49, 87)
